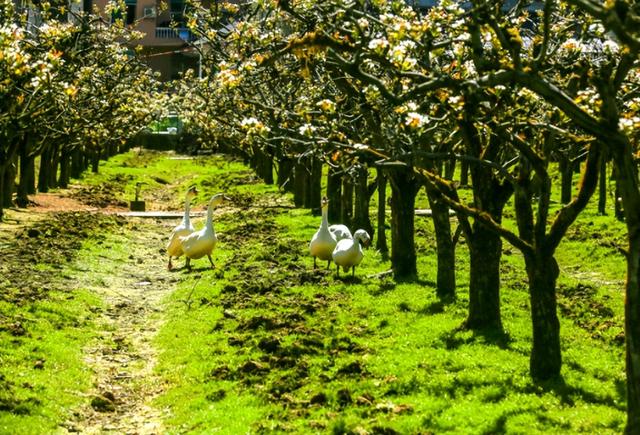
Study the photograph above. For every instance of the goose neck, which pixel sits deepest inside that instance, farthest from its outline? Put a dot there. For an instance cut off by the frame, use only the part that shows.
(325, 218)
(209, 224)
(187, 209)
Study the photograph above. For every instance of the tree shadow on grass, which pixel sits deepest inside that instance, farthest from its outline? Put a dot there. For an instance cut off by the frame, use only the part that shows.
(568, 394)
(460, 336)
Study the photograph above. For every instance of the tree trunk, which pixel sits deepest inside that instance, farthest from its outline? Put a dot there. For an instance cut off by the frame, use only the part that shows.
(55, 161)
(566, 182)
(3, 193)
(315, 186)
(619, 210)
(262, 163)
(45, 168)
(381, 240)
(77, 165)
(464, 173)
(334, 192)
(546, 359)
(95, 161)
(299, 185)
(485, 251)
(445, 248)
(65, 168)
(285, 174)
(602, 186)
(8, 180)
(346, 201)
(27, 176)
(361, 219)
(627, 179)
(403, 250)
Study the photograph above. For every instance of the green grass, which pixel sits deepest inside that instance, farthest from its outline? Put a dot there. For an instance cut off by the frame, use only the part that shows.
(314, 353)
(266, 344)
(41, 367)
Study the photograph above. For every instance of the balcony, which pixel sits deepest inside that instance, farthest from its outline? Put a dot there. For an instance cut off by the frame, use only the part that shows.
(174, 33)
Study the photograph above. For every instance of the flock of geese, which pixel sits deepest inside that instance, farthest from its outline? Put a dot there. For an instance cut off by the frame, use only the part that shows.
(330, 242)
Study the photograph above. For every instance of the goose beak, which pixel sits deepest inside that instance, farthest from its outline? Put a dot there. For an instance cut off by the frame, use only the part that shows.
(226, 198)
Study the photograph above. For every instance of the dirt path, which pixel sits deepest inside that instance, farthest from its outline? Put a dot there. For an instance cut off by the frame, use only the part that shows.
(132, 286)
(123, 357)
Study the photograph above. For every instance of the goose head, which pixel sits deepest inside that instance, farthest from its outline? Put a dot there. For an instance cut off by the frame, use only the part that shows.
(325, 202)
(192, 192)
(217, 199)
(363, 237)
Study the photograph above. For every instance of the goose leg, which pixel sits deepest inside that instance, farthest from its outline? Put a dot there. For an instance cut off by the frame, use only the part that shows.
(315, 266)
(188, 264)
(353, 272)
(213, 266)
(337, 270)
(170, 266)
(328, 264)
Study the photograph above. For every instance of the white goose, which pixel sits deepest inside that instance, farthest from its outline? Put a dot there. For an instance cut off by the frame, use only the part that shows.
(323, 241)
(183, 229)
(348, 252)
(200, 243)
(340, 232)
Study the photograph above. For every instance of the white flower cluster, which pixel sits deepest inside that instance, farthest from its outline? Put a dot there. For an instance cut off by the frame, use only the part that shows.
(326, 105)
(378, 45)
(399, 55)
(415, 120)
(307, 130)
(254, 126)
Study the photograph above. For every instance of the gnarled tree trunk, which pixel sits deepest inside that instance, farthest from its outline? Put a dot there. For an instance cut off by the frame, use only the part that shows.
(334, 193)
(381, 240)
(445, 248)
(546, 358)
(346, 201)
(361, 218)
(404, 188)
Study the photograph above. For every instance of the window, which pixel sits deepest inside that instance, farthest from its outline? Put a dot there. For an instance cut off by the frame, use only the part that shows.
(131, 11)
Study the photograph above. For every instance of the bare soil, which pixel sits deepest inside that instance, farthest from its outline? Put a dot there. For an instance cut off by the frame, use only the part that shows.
(122, 358)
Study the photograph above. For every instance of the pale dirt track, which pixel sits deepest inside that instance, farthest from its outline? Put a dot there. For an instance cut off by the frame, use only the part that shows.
(122, 358)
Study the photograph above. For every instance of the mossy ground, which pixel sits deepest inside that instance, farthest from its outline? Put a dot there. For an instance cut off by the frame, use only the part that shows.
(263, 343)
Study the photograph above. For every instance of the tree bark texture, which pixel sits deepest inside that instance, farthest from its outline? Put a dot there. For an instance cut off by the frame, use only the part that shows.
(299, 184)
(65, 169)
(53, 170)
(285, 173)
(361, 219)
(334, 193)
(27, 176)
(566, 181)
(464, 173)
(546, 359)
(77, 163)
(8, 180)
(45, 168)
(445, 248)
(602, 186)
(315, 186)
(346, 201)
(381, 240)
(485, 252)
(627, 178)
(404, 188)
